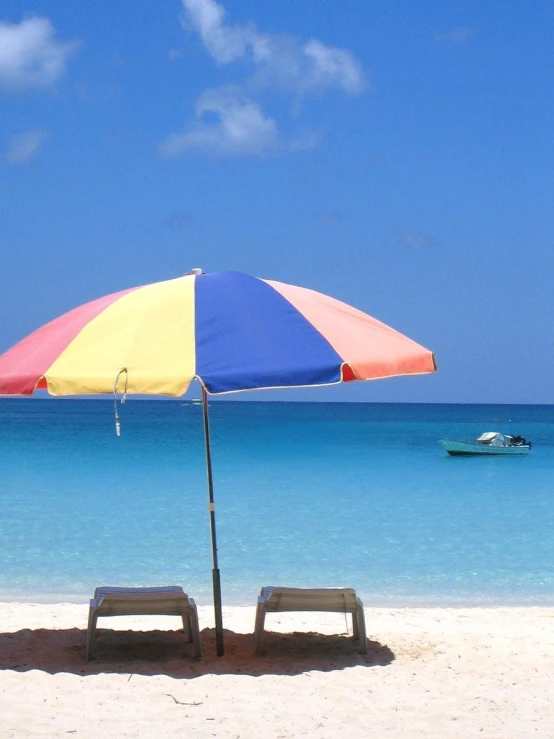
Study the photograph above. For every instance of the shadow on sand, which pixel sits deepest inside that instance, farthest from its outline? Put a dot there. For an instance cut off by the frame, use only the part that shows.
(168, 653)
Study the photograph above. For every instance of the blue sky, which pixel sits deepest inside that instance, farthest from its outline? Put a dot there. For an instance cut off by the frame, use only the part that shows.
(398, 156)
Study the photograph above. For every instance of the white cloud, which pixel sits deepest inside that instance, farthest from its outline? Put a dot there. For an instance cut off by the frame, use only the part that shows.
(240, 127)
(279, 58)
(333, 67)
(230, 121)
(24, 146)
(30, 56)
(225, 43)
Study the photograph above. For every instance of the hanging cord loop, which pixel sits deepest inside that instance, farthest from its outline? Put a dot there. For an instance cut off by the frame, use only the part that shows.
(117, 423)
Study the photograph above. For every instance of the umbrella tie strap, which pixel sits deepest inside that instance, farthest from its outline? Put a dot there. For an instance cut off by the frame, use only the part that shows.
(117, 422)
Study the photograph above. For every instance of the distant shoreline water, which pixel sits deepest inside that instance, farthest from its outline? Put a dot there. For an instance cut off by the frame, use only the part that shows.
(307, 494)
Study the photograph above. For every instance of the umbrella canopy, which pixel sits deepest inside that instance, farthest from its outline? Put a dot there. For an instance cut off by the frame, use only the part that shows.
(228, 330)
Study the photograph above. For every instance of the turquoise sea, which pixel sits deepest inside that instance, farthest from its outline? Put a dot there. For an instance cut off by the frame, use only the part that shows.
(307, 494)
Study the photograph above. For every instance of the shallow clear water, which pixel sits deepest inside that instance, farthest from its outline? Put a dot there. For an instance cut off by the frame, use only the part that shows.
(307, 494)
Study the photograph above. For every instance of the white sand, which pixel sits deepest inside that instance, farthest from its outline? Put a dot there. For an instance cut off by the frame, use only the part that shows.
(479, 672)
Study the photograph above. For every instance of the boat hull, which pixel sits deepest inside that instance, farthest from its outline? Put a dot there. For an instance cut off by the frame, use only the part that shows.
(470, 449)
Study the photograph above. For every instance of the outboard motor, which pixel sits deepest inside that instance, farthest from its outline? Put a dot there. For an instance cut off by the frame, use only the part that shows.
(520, 441)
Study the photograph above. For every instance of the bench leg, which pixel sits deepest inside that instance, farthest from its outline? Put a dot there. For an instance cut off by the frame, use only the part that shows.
(91, 633)
(187, 627)
(360, 618)
(259, 628)
(194, 632)
(355, 626)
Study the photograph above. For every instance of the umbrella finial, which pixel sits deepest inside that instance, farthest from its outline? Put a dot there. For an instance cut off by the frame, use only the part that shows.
(196, 271)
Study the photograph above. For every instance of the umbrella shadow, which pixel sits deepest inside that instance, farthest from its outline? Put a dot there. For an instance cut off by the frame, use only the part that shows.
(167, 653)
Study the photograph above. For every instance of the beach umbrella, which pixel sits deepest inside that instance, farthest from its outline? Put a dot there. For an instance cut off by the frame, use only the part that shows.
(228, 330)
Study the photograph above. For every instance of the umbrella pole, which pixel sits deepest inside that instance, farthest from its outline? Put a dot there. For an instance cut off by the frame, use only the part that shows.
(211, 508)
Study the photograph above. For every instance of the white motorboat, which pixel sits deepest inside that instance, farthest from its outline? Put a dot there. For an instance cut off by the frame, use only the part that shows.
(491, 442)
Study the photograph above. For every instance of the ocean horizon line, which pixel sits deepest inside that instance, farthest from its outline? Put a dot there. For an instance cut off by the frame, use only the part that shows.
(227, 399)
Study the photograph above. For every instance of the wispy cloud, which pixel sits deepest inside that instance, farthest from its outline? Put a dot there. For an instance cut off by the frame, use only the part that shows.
(24, 146)
(178, 221)
(458, 35)
(271, 63)
(230, 124)
(174, 54)
(224, 42)
(309, 66)
(329, 218)
(416, 240)
(30, 56)
(239, 128)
